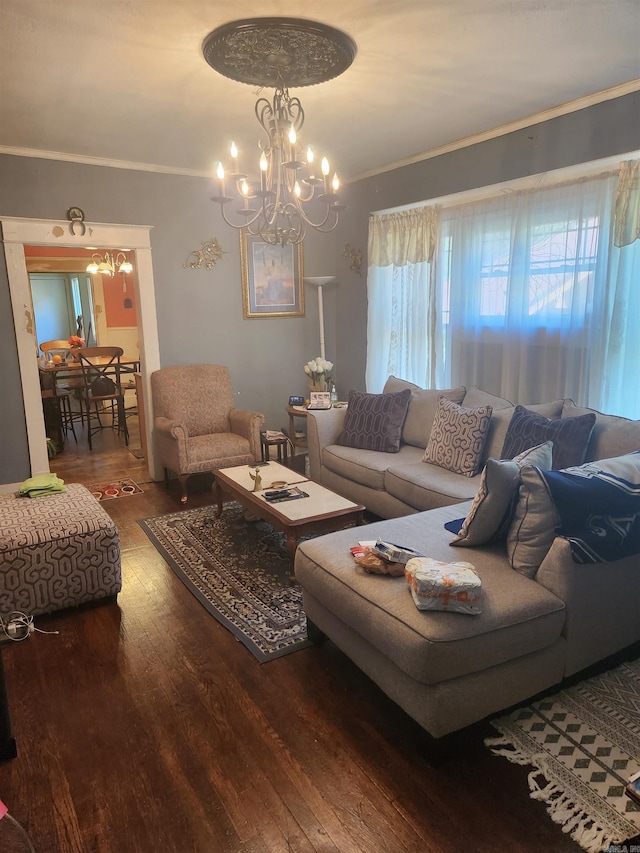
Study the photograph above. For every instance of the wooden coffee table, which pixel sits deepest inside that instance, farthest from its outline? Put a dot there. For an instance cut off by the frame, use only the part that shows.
(322, 512)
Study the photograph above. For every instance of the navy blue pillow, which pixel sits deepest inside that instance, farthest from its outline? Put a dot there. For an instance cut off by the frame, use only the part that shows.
(570, 436)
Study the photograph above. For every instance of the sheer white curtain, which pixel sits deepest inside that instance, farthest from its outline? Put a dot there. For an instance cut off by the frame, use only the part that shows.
(525, 276)
(401, 312)
(620, 390)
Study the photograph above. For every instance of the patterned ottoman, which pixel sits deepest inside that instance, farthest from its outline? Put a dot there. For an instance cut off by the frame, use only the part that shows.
(56, 551)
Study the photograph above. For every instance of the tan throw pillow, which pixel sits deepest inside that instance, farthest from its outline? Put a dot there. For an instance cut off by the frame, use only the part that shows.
(457, 437)
(490, 513)
(534, 523)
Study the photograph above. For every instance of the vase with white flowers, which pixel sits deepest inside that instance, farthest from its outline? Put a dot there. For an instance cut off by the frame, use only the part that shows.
(318, 372)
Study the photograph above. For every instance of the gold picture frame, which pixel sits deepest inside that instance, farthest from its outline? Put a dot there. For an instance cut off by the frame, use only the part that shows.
(271, 278)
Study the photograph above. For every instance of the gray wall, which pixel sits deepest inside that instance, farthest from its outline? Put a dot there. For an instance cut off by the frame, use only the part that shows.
(200, 312)
(200, 316)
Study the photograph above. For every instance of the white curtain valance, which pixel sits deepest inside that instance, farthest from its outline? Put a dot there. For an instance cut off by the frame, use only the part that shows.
(627, 217)
(401, 238)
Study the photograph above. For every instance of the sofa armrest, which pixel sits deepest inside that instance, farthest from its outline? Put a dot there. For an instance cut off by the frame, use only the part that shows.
(248, 425)
(171, 441)
(600, 601)
(323, 428)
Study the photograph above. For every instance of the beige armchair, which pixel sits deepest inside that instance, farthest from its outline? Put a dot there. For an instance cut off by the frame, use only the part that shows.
(196, 427)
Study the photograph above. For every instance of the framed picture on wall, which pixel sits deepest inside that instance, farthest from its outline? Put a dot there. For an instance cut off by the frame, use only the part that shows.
(271, 278)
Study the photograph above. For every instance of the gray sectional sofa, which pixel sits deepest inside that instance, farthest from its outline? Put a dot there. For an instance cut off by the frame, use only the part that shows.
(539, 623)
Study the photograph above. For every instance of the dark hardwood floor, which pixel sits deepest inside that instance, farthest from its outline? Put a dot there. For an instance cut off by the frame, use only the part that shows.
(145, 726)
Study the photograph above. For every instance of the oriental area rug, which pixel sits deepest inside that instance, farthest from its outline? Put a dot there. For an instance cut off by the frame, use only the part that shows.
(239, 571)
(584, 744)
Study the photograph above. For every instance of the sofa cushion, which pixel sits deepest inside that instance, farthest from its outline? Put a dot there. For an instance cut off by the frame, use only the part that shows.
(491, 510)
(518, 616)
(534, 522)
(612, 435)
(476, 397)
(422, 408)
(375, 421)
(425, 486)
(458, 437)
(368, 467)
(549, 410)
(570, 436)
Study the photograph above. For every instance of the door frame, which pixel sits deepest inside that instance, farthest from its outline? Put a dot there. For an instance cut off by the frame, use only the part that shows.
(18, 233)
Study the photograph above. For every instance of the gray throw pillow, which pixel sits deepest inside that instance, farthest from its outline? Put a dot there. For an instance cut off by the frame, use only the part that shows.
(570, 436)
(534, 523)
(457, 437)
(490, 513)
(375, 421)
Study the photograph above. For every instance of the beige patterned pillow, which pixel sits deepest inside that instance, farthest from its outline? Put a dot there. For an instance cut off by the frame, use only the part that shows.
(457, 437)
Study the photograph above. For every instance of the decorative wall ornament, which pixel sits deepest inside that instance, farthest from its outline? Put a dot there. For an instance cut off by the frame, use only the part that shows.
(76, 217)
(354, 256)
(209, 254)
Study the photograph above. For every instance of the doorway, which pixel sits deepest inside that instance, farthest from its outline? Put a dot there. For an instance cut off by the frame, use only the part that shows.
(19, 233)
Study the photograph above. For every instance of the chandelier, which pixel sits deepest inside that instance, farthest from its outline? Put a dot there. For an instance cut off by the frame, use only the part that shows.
(293, 191)
(106, 264)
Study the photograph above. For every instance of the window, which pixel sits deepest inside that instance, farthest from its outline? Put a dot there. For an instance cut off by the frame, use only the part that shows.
(532, 300)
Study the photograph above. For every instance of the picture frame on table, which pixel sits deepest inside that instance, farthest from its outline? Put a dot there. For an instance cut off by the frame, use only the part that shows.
(272, 278)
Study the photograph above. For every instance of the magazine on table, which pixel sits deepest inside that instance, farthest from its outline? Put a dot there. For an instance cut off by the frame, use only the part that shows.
(291, 493)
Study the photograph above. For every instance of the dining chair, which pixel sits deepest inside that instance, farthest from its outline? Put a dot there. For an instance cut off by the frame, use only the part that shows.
(47, 346)
(66, 389)
(102, 387)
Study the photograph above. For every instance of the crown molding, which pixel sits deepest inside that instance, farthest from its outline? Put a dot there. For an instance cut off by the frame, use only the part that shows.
(102, 161)
(502, 130)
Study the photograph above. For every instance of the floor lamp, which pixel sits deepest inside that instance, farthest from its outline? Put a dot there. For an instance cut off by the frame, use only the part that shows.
(320, 282)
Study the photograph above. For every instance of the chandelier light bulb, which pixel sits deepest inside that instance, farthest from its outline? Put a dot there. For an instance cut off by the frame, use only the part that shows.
(244, 187)
(264, 163)
(106, 264)
(220, 172)
(335, 183)
(296, 189)
(309, 154)
(325, 166)
(292, 135)
(234, 151)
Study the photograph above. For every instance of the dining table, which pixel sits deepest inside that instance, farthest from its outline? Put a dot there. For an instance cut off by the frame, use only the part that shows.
(52, 373)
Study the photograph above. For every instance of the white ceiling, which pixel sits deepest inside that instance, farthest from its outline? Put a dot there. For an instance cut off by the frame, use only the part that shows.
(125, 80)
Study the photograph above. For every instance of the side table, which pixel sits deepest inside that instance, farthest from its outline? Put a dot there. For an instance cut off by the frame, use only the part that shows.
(296, 412)
(282, 445)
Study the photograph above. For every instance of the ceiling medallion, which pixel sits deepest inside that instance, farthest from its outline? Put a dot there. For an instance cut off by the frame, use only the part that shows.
(279, 53)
